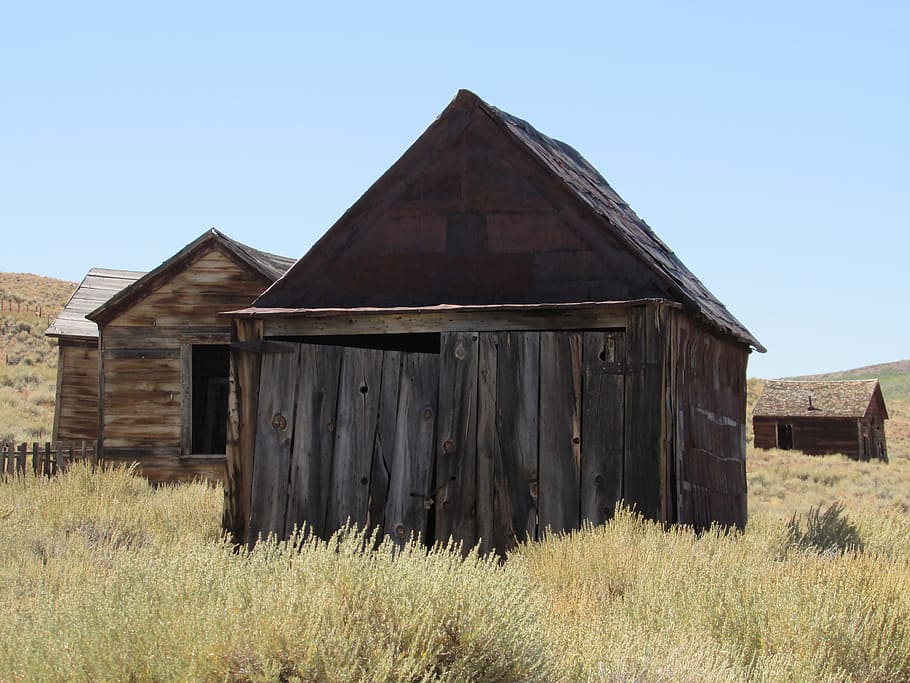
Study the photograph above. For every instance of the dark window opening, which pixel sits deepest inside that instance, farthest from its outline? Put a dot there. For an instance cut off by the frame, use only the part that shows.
(210, 398)
(785, 437)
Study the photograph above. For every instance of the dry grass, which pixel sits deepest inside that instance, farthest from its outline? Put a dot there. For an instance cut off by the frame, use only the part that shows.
(28, 359)
(105, 578)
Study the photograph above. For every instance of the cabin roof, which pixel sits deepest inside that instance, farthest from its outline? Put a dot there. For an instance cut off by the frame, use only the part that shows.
(98, 286)
(588, 187)
(270, 266)
(791, 398)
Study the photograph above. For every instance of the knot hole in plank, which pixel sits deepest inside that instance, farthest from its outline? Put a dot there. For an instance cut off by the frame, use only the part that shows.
(459, 352)
(364, 389)
(279, 422)
(448, 446)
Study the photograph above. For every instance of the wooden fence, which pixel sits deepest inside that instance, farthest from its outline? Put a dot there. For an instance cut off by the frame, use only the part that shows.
(45, 459)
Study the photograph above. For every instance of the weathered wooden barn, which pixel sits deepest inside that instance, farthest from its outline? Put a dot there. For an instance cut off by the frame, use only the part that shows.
(76, 407)
(163, 366)
(488, 344)
(819, 417)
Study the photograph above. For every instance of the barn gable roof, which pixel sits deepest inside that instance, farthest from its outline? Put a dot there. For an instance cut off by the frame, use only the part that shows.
(819, 399)
(269, 266)
(563, 165)
(98, 286)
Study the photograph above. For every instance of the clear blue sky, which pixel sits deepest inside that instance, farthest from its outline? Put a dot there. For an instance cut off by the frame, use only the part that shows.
(767, 143)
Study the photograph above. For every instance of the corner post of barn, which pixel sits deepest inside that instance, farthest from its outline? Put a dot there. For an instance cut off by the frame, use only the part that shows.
(243, 399)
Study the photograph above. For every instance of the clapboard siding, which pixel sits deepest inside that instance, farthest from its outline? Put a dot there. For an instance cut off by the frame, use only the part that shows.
(810, 435)
(144, 356)
(76, 415)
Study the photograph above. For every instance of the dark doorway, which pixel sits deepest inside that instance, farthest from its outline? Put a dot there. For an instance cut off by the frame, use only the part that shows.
(210, 394)
(785, 437)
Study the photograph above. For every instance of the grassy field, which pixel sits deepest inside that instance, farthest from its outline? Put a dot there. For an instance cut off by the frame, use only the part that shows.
(106, 579)
(103, 578)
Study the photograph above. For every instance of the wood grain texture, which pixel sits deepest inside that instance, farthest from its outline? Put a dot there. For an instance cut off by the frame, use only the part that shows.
(76, 408)
(602, 439)
(644, 413)
(410, 484)
(456, 443)
(274, 436)
(355, 429)
(384, 444)
(243, 408)
(314, 437)
(560, 431)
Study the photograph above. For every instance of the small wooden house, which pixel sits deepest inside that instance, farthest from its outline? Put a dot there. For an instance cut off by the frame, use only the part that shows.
(76, 408)
(163, 366)
(818, 417)
(487, 345)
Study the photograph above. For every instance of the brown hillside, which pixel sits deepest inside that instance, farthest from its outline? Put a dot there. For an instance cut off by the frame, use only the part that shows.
(28, 359)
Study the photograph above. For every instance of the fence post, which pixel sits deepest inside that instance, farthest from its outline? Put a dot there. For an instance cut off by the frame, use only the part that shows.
(23, 457)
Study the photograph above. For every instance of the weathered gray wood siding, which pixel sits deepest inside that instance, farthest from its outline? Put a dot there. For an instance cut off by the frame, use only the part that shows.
(706, 424)
(76, 411)
(503, 436)
(144, 378)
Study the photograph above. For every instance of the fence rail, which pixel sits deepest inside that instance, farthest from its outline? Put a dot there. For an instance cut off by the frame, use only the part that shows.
(45, 459)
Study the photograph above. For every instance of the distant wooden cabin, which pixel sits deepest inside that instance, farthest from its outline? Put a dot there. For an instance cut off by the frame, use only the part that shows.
(488, 344)
(164, 357)
(76, 408)
(822, 417)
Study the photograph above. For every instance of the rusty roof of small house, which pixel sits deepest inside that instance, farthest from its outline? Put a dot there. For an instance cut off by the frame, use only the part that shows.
(270, 266)
(590, 188)
(98, 286)
(796, 398)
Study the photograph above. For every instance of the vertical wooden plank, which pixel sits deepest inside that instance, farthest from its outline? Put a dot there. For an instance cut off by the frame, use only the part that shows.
(507, 439)
(518, 388)
(488, 445)
(355, 428)
(602, 424)
(58, 391)
(101, 398)
(644, 400)
(186, 399)
(274, 434)
(456, 442)
(243, 397)
(410, 485)
(23, 458)
(314, 436)
(384, 443)
(560, 431)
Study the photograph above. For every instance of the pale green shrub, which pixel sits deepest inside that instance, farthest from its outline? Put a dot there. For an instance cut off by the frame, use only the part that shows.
(826, 532)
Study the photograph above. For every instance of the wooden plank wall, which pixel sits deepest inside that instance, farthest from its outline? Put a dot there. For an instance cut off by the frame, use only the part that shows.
(504, 435)
(705, 424)
(343, 435)
(812, 435)
(143, 356)
(76, 410)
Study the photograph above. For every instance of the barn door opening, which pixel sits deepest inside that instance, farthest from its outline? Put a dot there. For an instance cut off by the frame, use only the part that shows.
(785, 437)
(210, 363)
